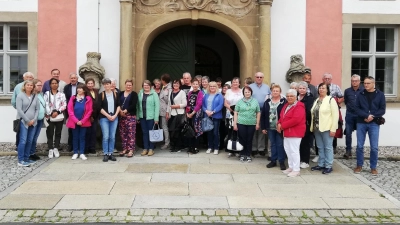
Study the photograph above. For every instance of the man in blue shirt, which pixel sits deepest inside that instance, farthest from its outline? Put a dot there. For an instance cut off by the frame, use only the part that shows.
(350, 98)
(260, 91)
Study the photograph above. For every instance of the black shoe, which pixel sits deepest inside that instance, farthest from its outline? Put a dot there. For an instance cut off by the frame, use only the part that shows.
(347, 155)
(282, 166)
(34, 157)
(327, 171)
(69, 148)
(92, 151)
(105, 158)
(271, 164)
(254, 153)
(269, 158)
(172, 148)
(317, 168)
(262, 153)
(112, 158)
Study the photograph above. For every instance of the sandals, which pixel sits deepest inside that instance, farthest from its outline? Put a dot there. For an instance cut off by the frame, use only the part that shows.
(123, 153)
(130, 154)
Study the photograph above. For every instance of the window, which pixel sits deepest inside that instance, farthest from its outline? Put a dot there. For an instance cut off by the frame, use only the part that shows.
(374, 53)
(13, 55)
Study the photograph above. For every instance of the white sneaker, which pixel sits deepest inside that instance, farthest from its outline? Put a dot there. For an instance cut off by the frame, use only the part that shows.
(83, 157)
(50, 153)
(215, 152)
(56, 153)
(74, 156)
(208, 151)
(294, 174)
(287, 171)
(304, 165)
(315, 159)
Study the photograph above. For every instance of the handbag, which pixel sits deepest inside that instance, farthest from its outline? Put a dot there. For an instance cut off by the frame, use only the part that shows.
(234, 144)
(177, 122)
(187, 130)
(379, 120)
(58, 118)
(17, 122)
(156, 135)
(207, 124)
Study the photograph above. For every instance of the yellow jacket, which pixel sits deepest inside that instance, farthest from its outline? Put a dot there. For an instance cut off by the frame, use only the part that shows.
(328, 114)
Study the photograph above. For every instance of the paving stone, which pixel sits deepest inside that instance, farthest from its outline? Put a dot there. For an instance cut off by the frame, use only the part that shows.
(37, 220)
(335, 213)
(344, 219)
(14, 213)
(123, 212)
(78, 220)
(79, 213)
(395, 212)
(137, 212)
(113, 212)
(91, 219)
(9, 219)
(65, 220)
(291, 219)
(296, 213)
(164, 212)
(195, 212)
(372, 212)
(209, 212)
(305, 220)
(104, 219)
(233, 212)
(277, 219)
(229, 218)
(360, 213)
(318, 220)
(257, 212)
(28, 213)
(173, 218)
(384, 212)
(310, 213)
(133, 218)
(51, 219)
(150, 212)
(90, 213)
(284, 212)
(159, 218)
(384, 220)
(200, 218)
(65, 213)
(245, 212)
(102, 213)
(51, 213)
(260, 219)
(347, 213)
(396, 219)
(39, 213)
(245, 219)
(214, 218)
(358, 220)
(221, 212)
(322, 213)
(24, 219)
(188, 218)
(118, 218)
(331, 220)
(180, 212)
(370, 219)
(271, 213)
(3, 212)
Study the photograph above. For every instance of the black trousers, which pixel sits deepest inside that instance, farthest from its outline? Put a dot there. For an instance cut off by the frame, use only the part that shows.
(53, 134)
(246, 133)
(305, 146)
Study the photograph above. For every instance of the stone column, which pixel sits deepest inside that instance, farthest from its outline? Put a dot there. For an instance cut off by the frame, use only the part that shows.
(264, 19)
(126, 51)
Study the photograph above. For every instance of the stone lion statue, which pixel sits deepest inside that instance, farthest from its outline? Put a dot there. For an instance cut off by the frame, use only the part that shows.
(297, 69)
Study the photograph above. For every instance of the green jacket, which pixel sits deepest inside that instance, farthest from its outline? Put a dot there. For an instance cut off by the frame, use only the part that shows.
(152, 106)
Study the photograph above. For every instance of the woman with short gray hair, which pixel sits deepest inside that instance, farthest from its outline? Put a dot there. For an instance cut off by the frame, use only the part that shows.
(292, 123)
(294, 86)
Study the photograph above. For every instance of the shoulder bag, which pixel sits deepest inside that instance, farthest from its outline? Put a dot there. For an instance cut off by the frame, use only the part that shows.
(234, 144)
(156, 135)
(17, 122)
(207, 124)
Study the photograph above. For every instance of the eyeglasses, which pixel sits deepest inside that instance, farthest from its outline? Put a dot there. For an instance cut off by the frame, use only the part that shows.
(259, 77)
(327, 78)
(355, 80)
(367, 83)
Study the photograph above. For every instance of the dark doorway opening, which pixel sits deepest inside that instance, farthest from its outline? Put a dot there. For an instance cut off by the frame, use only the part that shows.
(199, 50)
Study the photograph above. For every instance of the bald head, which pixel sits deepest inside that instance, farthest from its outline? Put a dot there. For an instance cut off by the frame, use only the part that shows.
(258, 77)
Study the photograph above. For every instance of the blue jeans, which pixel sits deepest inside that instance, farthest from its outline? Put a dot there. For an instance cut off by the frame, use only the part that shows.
(213, 135)
(25, 141)
(246, 133)
(79, 139)
(351, 124)
(277, 150)
(38, 128)
(373, 134)
(147, 125)
(108, 128)
(325, 148)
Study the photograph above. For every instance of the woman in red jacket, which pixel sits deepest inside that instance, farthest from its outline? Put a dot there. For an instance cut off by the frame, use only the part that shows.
(80, 108)
(292, 123)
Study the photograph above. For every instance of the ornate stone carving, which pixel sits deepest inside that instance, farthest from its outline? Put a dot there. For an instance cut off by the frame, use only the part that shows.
(297, 69)
(234, 8)
(265, 2)
(92, 68)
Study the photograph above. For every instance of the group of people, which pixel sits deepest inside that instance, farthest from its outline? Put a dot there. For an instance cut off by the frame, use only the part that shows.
(251, 113)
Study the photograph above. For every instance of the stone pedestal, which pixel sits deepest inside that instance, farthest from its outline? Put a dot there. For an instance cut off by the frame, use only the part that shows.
(126, 39)
(265, 39)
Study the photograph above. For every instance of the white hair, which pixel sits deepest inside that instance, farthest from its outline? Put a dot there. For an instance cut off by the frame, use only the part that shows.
(28, 74)
(72, 73)
(186, 73)
(303, 84)
(356, 76)
(294, 84)
(291, 92)
(327, 75)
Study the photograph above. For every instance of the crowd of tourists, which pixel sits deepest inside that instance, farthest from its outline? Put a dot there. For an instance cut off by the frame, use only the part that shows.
(194, 111)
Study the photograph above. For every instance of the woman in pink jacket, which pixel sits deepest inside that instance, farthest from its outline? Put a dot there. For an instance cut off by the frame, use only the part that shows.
(292, 123)
(80, 108)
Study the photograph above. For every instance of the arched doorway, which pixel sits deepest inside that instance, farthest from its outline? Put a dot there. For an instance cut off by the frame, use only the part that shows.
(200, 50)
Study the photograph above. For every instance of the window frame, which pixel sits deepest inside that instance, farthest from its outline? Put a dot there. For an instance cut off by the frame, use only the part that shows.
(7, 53)
(372, 54)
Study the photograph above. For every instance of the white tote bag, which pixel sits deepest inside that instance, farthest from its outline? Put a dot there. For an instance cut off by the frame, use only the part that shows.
(156, 135)
(234, 144)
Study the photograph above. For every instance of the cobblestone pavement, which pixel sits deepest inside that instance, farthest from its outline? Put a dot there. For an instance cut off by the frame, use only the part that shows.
(203, 216)
(388, 178)
(11, 172)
